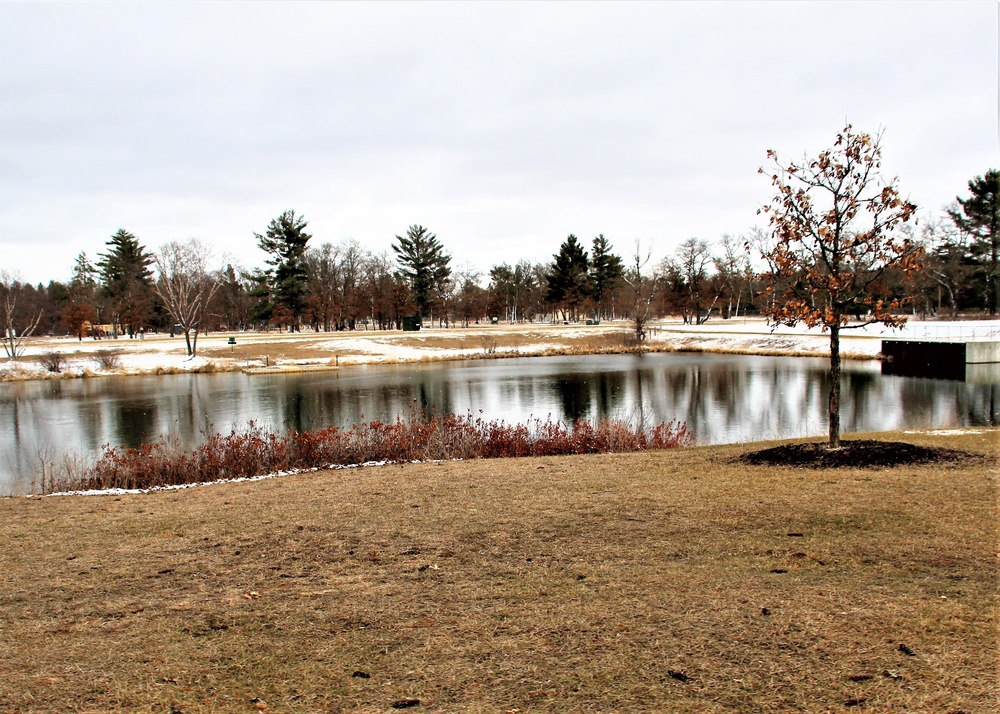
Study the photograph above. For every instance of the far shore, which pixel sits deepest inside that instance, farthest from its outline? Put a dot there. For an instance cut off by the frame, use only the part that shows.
(67, 357)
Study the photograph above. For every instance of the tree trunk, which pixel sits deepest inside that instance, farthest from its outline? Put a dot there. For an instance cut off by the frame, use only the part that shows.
(835, 386)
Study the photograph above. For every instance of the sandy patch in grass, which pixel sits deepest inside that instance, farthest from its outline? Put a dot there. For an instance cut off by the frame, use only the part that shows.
(669, 581)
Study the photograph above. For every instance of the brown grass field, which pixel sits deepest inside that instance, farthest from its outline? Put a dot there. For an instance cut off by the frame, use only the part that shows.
(672, 581)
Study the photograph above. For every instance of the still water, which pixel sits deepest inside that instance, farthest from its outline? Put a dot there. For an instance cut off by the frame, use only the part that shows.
(723, 399)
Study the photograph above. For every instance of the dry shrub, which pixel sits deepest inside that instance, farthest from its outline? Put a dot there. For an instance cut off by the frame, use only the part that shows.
(616, 342)
(108, 359)
(254, 451)
(53, 362)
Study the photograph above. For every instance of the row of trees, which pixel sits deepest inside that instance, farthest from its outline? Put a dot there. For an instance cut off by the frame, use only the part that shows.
(343, 286)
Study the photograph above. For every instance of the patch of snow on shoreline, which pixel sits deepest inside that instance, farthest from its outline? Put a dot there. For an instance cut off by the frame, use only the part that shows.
(947, 432)
(183, 486)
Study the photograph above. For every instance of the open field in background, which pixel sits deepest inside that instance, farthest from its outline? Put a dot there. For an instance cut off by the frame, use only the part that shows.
(158, 354)
(662, 581)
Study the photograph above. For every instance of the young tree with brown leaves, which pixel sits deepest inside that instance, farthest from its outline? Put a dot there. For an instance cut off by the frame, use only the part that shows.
(834, 236)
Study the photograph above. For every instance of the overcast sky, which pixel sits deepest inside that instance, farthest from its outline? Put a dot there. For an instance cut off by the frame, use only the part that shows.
(502, 127)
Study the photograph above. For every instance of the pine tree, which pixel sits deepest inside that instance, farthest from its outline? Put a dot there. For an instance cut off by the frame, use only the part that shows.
(84, 274)
(127, 282)
(286, 240)
(568, 280)
(606, 271)
(979, 218)
(80, 312)
(424, 264)
(259, 297)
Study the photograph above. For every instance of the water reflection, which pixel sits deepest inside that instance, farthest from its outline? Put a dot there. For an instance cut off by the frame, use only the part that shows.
(135, 421)
(722, 398)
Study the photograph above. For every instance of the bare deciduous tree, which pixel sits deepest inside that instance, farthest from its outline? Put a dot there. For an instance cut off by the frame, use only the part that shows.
(947, 266)
(17, 321)
(758, 243)
(694, 260)
(735, 274)
(642, 290)
(185, 285)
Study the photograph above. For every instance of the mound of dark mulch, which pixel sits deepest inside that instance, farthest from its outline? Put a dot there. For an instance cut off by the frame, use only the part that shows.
(856, 454)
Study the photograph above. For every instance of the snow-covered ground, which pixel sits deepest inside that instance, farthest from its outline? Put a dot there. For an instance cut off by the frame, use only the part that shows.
(81, 358)
(160, 354)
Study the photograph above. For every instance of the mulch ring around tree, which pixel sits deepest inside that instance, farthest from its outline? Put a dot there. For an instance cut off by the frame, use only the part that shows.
(854, 454)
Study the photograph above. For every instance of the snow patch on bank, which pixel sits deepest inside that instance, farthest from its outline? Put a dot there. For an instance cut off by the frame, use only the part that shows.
(369, 351)
(947, 432)
(130, 364)
(183, 486)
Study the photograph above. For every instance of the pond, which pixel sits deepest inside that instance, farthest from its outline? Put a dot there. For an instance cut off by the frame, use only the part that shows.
(722, 398)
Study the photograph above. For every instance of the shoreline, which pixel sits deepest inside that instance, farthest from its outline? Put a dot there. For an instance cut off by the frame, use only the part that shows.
(284, 352)
(879, 435)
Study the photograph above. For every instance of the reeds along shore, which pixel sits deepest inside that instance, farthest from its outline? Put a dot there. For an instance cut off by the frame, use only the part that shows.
(255, 451)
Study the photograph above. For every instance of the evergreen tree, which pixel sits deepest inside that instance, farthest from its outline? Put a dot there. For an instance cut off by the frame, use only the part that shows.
(259, 297)
(606, 271)
(79, 312)
(568, 280)
(286, 240)
(127, 282)
(84, 274)
(979, 217)
(424, 264)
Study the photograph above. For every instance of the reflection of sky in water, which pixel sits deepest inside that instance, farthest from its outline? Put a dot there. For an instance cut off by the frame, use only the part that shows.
(723, 398)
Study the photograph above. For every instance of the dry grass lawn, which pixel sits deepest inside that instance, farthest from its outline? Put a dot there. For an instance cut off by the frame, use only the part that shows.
(483, 341)
(672, 581)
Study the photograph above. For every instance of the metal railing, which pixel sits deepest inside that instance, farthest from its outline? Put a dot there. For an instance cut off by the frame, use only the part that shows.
(956, 331)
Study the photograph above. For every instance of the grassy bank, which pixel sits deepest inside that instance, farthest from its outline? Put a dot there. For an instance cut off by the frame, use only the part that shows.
(660, 581)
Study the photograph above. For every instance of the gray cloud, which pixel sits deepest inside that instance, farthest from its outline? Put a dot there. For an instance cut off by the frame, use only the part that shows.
(503, 127)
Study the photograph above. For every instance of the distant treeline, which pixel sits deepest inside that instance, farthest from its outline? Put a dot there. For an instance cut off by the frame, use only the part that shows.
(344, 286)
